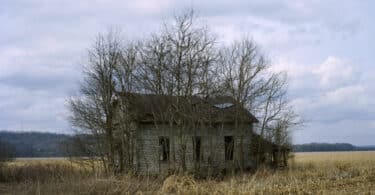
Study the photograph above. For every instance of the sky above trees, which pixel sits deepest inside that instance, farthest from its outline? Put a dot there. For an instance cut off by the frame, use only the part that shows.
(324, 46)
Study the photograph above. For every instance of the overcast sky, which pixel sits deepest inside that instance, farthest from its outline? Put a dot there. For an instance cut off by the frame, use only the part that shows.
(327, 47)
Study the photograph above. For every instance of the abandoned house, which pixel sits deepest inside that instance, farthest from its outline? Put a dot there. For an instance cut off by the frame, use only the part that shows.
(190, 134)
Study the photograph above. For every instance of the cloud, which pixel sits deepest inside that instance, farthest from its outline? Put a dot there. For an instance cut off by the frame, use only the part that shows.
(334, 96)
(335, 72)
(30, 109)
(335, 80)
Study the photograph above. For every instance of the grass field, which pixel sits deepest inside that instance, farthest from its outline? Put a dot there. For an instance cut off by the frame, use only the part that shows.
(308, 173)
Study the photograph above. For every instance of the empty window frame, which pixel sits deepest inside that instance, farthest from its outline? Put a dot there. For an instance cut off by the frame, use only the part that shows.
(164, 148)
(197, 145)
(229, 147)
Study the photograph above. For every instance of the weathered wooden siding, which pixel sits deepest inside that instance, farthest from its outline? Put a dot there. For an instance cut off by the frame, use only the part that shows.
(212, 149)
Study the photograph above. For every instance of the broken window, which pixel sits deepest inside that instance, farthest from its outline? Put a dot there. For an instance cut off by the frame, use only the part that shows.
(164, 148)
(197, 148)
(229, 146)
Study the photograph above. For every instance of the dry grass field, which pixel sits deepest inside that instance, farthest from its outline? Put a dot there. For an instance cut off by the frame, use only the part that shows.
(309, 173)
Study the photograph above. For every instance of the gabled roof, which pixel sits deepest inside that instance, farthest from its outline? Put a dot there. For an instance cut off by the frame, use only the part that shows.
(150, 108)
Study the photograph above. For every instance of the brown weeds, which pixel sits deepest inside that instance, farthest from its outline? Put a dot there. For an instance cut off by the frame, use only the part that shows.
(312, 173)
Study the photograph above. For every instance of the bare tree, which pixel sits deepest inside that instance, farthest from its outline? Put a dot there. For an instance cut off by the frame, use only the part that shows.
(126, 83)
(192, 56)
(176, 60)
(93, 111)
(249, 80)
(243, 69)
(179, 62)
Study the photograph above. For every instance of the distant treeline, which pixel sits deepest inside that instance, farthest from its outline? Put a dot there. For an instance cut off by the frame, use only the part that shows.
(38, 144)
(326, 147)
(35, 144)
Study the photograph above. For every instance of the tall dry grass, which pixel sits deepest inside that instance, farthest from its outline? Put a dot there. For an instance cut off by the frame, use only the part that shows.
(41, 172)
(309, 173)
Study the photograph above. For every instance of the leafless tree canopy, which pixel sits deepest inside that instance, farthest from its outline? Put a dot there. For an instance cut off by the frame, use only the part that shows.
(183, 60)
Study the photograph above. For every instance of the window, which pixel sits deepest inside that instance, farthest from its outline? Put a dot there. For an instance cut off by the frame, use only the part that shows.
(229, 146)
(197, 148)
(164, 148)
